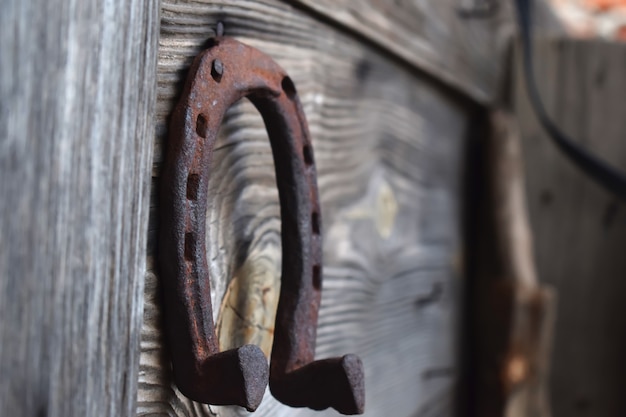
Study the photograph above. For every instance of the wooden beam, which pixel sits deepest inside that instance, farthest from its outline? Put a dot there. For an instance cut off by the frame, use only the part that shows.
(440, 38)
(463, 52)
(77, 90)
(512, 312)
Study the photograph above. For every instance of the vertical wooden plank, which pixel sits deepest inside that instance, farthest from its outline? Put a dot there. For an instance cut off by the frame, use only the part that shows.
(77, 83)
(512, 313)
(580, 230)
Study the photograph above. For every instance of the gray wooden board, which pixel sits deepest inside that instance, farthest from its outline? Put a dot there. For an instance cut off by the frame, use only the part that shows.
(389, 152)
(77, 90)
(464, 51)
(579, 229)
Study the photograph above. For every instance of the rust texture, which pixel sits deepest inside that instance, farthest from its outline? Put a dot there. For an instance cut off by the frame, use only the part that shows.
(219, 76)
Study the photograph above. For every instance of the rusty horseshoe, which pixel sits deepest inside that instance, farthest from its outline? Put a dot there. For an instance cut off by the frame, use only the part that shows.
(219, 76)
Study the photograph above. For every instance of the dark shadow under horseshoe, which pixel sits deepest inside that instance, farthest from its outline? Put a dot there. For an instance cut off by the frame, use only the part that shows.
(220, 76)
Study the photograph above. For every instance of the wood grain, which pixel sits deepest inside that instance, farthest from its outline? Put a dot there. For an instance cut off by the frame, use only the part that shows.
(389, 152)
(466, 52)
(580, 230)
(77, 84)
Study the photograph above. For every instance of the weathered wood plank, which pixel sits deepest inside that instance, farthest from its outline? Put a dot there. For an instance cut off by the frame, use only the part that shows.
(465, 52)
(437, 37)
(580, 230)
(77, 83)
(389, 151)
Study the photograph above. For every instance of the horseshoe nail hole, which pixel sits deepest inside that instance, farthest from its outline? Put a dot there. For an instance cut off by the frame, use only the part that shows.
(288, 87)
(201, 125)
(315, 222)
(190, 243)
(317, 277)
(307, 150)
(217, 69)
(193, 183)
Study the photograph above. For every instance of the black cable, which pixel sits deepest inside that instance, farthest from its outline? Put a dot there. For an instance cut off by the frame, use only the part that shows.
(612, 179)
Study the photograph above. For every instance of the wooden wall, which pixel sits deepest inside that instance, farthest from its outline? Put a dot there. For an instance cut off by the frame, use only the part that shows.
(85, 96)
(580, 229)
(389, 149)
(77, 90)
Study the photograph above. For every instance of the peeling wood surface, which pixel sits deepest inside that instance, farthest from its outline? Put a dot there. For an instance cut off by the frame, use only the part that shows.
(77, 91)
(389, 154)
(579, 229)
